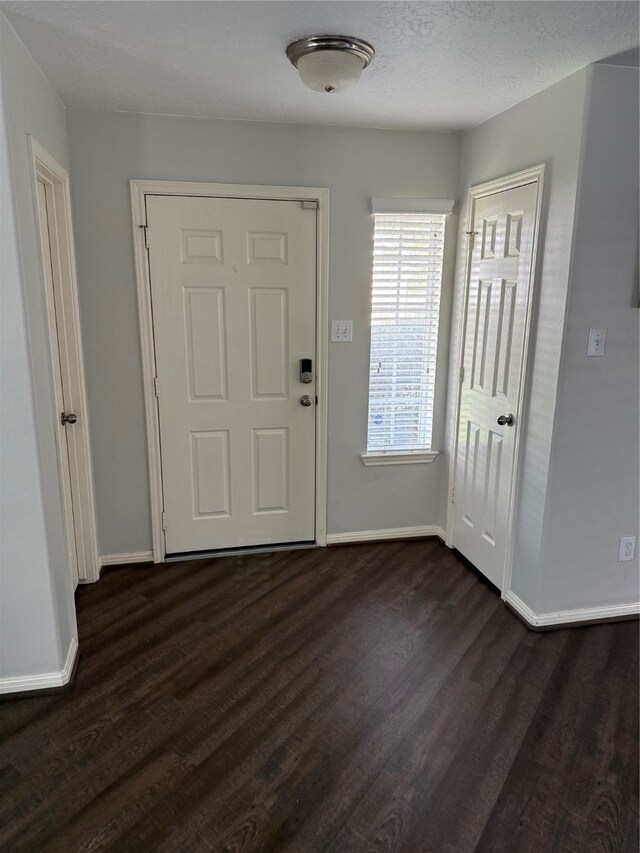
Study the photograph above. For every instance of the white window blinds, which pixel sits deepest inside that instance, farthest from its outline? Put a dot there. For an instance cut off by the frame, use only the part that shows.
(407, 278)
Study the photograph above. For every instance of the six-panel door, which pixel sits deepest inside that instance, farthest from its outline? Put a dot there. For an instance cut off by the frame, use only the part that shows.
(233, 297)
(496, 315)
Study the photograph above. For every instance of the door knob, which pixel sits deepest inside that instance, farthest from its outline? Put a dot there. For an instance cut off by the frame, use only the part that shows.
(68, 419)
(305, 400)
(506, 420)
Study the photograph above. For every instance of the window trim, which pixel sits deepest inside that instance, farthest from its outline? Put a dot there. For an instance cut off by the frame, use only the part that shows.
(399, 457)
(439, 206)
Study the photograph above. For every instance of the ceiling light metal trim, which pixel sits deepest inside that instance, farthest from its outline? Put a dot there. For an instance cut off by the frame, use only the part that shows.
(311, 44)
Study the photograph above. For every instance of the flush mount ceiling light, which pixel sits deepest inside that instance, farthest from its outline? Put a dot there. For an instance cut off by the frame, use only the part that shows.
(330, 63)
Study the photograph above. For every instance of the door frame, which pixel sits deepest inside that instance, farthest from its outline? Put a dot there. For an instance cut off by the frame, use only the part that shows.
(316, 195)
(65, 347)
(534, 175)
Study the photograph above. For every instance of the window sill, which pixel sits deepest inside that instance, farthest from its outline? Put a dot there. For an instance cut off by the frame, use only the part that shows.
(409, 457)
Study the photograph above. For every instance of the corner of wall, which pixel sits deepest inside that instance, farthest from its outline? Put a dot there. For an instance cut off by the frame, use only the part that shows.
(586, 99)
(588, 389)
(38, 618)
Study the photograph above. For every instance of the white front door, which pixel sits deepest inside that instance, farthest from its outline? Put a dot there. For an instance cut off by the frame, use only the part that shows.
(498, 297)
(233, 286)
(63, 405)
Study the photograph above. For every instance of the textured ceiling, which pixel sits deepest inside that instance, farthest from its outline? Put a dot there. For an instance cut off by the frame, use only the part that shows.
(438, 65)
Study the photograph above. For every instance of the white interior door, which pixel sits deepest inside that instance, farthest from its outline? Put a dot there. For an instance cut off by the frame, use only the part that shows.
(233, 285)
(62, 405)
(496, 320)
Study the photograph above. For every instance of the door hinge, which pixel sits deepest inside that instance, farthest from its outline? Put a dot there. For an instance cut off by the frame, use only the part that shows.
(453, 495)
(155, 386)
(461, 375)
(164, 522)
(145, 231)
(309, 205)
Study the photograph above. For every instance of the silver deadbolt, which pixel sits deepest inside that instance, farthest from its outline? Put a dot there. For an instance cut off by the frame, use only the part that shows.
(306, 400)
(506, 420)
(306, 371)
(68, 419)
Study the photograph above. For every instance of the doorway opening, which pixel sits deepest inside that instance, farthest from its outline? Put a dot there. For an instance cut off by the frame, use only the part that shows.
(232, 294)
(53, 217)
(502, 228)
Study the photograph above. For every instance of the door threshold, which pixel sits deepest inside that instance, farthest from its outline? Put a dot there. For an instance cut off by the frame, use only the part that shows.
(238, 552)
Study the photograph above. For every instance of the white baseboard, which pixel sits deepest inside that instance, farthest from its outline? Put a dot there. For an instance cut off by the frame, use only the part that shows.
(127, 557)
(571, 617)
(44, 680)
(388, 533)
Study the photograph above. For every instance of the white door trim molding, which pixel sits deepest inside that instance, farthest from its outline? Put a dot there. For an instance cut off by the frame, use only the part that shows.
(539, 621)
(69, 346)
(318, 195)
(419, 532)
(44, 680)
(534, 175)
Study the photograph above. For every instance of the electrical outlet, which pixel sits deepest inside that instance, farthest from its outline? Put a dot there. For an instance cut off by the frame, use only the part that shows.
(341, 330)
(627, 548)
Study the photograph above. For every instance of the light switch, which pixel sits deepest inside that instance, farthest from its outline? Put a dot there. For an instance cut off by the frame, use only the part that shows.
(341, 330)
(597, 341)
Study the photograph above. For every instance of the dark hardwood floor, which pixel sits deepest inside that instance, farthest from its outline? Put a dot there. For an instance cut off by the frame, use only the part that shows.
(368, 698)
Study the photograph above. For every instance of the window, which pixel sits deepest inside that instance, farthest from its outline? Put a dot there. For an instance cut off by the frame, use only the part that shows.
(405, 307)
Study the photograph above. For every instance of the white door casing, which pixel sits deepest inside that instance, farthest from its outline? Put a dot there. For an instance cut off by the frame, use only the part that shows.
(233, 286)
(317, 197)
(52, 211)
(497, 311)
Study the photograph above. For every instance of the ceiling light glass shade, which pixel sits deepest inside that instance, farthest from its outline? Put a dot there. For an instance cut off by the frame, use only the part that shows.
(330, 63)
(330, 70)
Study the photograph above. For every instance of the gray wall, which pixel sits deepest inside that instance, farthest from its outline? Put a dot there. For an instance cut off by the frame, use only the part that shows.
(37, 618)
(546, 128)
(593, 479)
(108, 149)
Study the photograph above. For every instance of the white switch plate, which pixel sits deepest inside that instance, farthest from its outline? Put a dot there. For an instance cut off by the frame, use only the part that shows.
(627, 548)
(341, 330)
(597, 341)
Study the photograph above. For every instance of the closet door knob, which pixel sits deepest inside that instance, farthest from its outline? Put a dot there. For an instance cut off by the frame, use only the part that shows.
(506, 420)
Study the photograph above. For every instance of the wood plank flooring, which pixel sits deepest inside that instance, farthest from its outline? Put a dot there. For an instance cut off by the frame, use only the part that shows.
(368, 698)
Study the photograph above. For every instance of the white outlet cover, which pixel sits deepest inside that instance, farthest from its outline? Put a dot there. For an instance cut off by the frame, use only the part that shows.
(627, 549)
(597, 342)
(341, 331)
